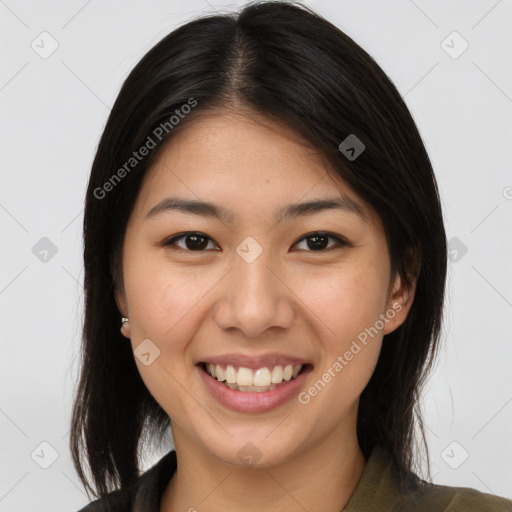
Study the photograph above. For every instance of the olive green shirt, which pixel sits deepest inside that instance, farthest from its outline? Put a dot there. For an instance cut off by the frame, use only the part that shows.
(377, 491)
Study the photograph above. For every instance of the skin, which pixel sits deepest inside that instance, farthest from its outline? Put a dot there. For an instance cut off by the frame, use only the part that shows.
(292, 299)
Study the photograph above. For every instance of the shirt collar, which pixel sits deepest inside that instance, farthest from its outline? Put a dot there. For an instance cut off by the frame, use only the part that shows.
(152, 484)
(378, 487)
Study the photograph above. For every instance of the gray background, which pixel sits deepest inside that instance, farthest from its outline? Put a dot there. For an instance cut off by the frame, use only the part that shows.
(53, 110)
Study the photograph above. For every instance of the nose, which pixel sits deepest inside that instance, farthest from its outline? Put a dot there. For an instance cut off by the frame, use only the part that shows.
(255, 297)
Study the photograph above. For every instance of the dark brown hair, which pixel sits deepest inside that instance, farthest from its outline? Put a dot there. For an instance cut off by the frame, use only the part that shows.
(289, 64)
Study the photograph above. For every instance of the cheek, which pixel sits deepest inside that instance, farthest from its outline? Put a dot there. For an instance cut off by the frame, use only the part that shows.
(349, 302)
(347, 299)
(164, 299)
(162, 303)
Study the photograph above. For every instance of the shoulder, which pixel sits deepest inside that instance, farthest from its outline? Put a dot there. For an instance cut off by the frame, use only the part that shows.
(383, 488)
(95, 506)
(454, 499)
(144, 494)
(118, 500)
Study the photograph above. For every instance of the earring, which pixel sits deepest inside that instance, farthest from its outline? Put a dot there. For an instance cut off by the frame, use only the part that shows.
(125, 327)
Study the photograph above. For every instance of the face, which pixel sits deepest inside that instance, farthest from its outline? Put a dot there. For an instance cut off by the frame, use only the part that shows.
(244, 286)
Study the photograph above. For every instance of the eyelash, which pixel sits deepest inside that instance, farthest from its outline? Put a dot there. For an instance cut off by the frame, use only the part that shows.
(340, 241)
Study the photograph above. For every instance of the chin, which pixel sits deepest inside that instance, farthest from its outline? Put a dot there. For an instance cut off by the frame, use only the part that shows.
(253, 451)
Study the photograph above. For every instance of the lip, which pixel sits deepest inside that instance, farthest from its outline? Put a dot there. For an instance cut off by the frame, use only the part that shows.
(253, 362)
(255, 402)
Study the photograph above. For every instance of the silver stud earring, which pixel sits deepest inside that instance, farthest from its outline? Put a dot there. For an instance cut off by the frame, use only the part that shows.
(125, 326)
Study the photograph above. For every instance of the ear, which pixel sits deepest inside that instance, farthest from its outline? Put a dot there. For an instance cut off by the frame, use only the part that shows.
(122, 304)
(400, 300)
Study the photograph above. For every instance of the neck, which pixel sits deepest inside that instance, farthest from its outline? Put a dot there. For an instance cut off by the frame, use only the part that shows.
(322, 478)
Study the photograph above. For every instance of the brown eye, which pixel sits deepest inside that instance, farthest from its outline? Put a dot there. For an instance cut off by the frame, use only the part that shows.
(193, 241)
(314, 242)
(319, 241)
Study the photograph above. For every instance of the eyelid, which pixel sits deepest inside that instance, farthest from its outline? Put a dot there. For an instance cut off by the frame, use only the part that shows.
(341, 241)
(171, 241)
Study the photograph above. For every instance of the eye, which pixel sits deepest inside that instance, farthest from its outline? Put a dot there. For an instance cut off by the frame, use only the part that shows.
(317, 241)
(194, 241)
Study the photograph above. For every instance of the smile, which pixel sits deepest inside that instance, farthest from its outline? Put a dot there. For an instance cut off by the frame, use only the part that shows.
(253, 380)
(253, 390)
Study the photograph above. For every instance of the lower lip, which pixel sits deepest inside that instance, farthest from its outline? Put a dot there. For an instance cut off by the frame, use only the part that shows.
(242, 401)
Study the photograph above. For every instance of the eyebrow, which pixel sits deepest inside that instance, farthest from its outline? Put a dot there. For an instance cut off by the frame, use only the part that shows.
(293, 210)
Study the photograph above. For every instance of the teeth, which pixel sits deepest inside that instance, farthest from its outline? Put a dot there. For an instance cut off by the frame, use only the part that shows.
(230, 374)
(244, 377)
(251, 388)
(248, 380)
(220, 375)
(262, 377)
(288, 372)
(277, 375)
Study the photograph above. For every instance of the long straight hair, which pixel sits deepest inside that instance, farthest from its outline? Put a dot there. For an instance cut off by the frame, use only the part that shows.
(287, 63)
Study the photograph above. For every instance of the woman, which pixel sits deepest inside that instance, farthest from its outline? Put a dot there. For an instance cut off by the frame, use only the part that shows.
(263, 221)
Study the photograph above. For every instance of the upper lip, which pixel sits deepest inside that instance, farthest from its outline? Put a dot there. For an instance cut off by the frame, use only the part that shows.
(254, 361)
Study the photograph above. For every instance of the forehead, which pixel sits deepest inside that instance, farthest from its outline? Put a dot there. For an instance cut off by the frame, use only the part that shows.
(231, 143)
(234, 159)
